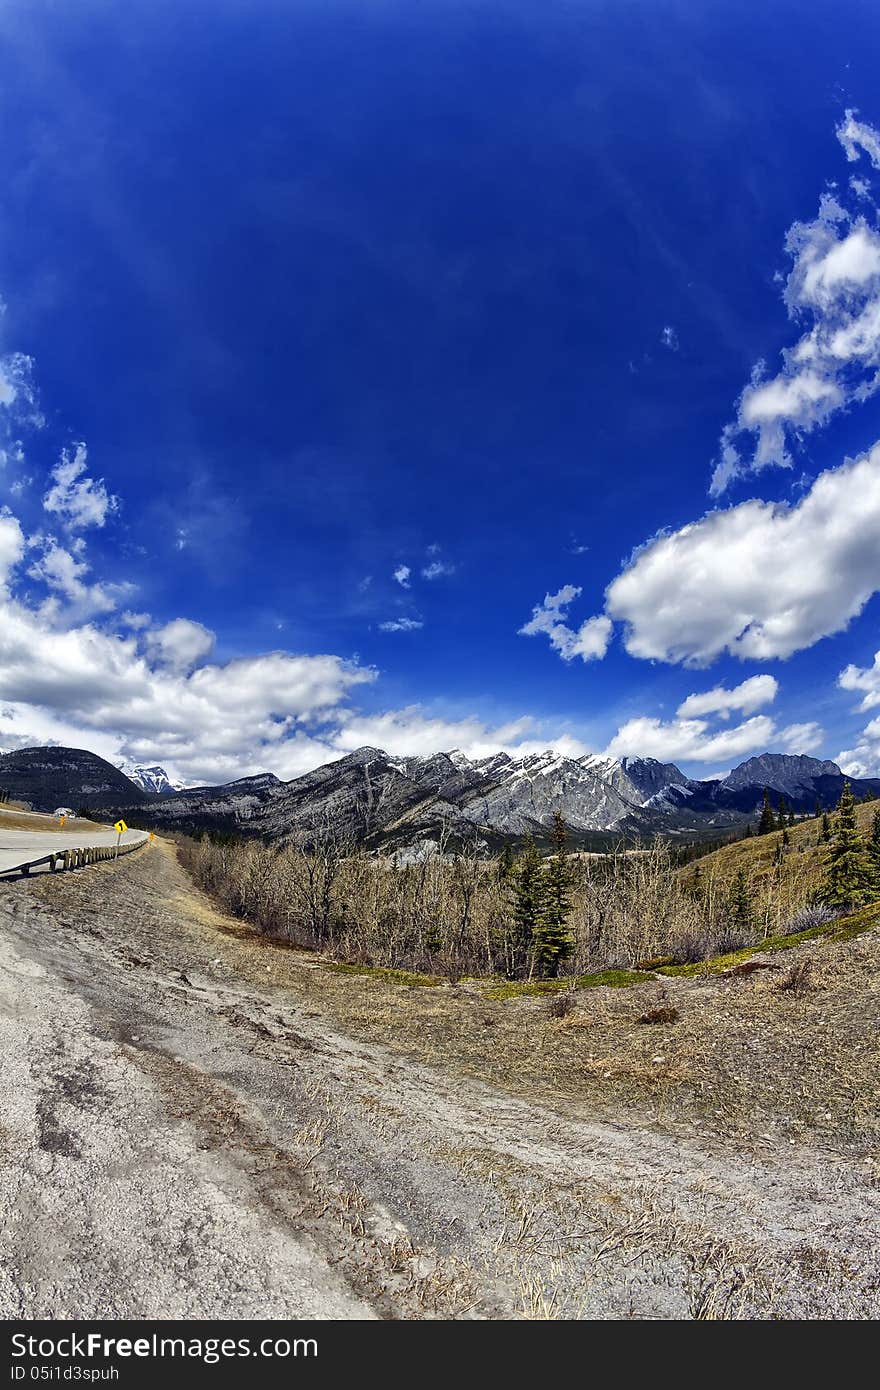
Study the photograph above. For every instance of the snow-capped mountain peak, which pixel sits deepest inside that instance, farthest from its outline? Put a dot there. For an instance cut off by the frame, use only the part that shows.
(154, 780)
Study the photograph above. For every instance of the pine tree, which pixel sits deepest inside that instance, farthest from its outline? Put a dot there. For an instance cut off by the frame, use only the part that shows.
(749, 831)
(552, 941)
(818, 811)
(739, 903)
(767, 821)
(848, 874)
(783, 813)
(826, 828)
(791, 816)
(786, 840)
(874, 855)
(526, 881)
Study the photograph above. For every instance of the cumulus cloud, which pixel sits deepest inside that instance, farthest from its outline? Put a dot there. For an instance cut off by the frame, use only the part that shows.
(401, 625)
(79, 500)
(834, 287)
(866, 680)
(747, 697)
(218, 720)
(589, 641)
(759, 580)
(181, 644)
(689, 740)
(801, 738)
(402, 575)
(864, 759)
(64, 571)
(11, 545)
(413, 732)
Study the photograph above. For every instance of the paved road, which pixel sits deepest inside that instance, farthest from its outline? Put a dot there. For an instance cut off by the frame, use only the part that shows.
(19, 847)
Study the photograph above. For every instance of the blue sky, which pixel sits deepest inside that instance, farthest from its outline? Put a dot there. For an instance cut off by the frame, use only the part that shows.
(303, 297)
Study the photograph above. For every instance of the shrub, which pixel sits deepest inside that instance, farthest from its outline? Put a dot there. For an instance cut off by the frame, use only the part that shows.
(813, 915)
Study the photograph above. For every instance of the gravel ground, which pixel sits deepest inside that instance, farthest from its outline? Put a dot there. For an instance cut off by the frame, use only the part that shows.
(196, 1124)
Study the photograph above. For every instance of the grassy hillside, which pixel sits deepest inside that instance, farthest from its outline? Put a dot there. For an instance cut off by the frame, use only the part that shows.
(781, 883)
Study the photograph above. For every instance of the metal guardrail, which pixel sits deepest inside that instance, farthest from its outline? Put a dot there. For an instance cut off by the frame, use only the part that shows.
(76, 858)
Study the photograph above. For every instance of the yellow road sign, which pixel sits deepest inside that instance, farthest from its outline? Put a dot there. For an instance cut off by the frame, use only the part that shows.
(120, 827)
(62, 821)
(152, 836)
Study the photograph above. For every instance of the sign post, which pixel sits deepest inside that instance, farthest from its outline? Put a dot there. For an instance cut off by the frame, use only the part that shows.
(120, 827)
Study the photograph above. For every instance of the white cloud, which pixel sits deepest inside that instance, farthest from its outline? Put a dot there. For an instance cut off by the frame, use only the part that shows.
(78, 500)
(11, 545)
(412, 732)
(669, 338)
(589, 641)
(401, 625)
(864, 759)
(834, 284)
(857, 135)
(180, 645)
(402, 575)
(63, 572)
(689, 740)
(759, 580)
(437, 569)
(866, 680)
(801, 738)
(747, 697)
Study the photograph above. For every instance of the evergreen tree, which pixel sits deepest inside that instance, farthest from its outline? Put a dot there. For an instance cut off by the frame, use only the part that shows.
(739, 902)
(818, 811)
(526, 882)
(826, 828)
(552, 941)
(848, 874)
(791, 815)
(767, 821)
(749, 831)
(786, 840)
(874, 855)
(783, 813)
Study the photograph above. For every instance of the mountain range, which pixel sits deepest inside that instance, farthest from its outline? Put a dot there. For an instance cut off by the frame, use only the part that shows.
(373, 798)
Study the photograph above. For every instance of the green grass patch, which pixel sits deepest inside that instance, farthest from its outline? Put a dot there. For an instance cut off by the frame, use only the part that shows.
(519, 989)
(381, 972)
(844, 929)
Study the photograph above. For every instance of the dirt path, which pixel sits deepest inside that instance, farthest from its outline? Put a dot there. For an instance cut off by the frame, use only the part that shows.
(186, 1130)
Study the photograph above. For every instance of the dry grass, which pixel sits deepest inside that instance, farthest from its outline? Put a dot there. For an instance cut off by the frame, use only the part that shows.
(13, 818)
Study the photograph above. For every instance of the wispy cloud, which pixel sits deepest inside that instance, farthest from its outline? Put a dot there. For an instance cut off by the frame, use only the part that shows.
(833, 285)
(589, 641)
(78, 500)
(401, 625)
(402, 575)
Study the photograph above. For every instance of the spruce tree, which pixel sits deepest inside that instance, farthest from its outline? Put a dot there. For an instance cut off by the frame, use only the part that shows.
(739, 902)
(874, 855)
(783, 813)
(526, 881)
(848, 874)
(818, 811)
(826, 828)
(791, 816)
(552, 941)
(767, 821)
